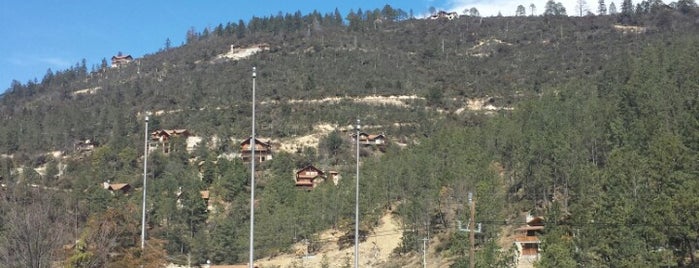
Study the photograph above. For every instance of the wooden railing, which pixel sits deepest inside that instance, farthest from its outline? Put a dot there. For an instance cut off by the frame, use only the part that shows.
(527, 239)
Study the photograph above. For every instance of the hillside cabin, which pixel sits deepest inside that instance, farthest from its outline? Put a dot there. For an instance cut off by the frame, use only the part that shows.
(85, 145)
(205, 195)
(444, 15)
(120, 60)
(527, 239)
(161, 138)
(263, 150)
(309, 177)
(366, 139)
(123, 188)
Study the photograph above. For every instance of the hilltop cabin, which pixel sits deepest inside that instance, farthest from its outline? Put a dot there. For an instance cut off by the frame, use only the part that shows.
(123, 188)
(119, 60)
(161, 138)
(527, 238)
(444, 15)
(85, 145)
(309, 177)
(263, 151)
(369, 139)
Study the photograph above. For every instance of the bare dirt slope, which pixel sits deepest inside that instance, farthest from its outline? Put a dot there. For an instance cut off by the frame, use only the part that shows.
(375, 251)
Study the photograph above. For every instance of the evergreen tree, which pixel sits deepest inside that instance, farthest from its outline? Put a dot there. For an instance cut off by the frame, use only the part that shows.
(521, 11)
(241, 30)
(473, 12)
(601, 8)
(581, 5)
(612, 9)
(337, 17)
(627, 10)
(554, 9)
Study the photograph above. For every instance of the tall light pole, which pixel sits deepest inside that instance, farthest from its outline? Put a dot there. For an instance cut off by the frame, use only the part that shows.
(424, 252)
(356, 206)
(252, 176)
(145, 170)
(472, 234)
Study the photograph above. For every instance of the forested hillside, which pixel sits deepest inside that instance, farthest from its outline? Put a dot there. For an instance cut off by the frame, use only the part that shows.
(591, 122)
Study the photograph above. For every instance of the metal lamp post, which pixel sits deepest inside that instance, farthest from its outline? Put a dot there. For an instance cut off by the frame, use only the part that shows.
(252, 176)
(145, 177)
(356, 203)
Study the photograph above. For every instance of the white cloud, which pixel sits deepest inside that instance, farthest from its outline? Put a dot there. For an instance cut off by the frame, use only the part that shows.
(34, 60)
(508, 7)
(58, 62)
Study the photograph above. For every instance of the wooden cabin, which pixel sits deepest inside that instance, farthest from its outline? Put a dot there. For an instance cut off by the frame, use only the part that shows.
(366, 139)
(161, 138)
(85, 145)
(120, 60)
(309, 177)
(527, 238)
(123, 188)
(263, 150)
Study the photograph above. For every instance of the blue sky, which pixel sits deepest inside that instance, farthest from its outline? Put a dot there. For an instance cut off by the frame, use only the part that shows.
(56, 34)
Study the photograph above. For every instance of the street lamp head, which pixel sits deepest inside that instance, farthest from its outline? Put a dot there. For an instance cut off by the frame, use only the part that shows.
(254, 72)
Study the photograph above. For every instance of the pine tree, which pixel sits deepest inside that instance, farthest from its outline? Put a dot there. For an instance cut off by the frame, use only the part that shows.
(612, 9)
(601, 8)
(521, 11)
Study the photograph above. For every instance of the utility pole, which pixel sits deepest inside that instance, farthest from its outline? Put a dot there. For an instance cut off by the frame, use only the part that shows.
(252, 177)
(424, 253)
(356, 203)
(145, 169)
(472, 234)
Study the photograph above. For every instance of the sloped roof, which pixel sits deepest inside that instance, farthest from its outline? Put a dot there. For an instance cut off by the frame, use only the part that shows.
(310, 167)
(373, 137)
(530, 228)
(170, 132)
(123, 57)
(537, 220)
(119, 187)
(257, 142)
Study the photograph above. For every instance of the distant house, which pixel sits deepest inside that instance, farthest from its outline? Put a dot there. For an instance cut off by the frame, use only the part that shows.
(161, 138)
(85, 145)
(205, 195)
(120, 60)
(444, 15)
(369, 139)
(123, 188)
(263, 150)
(527, 239)
(309, 177)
